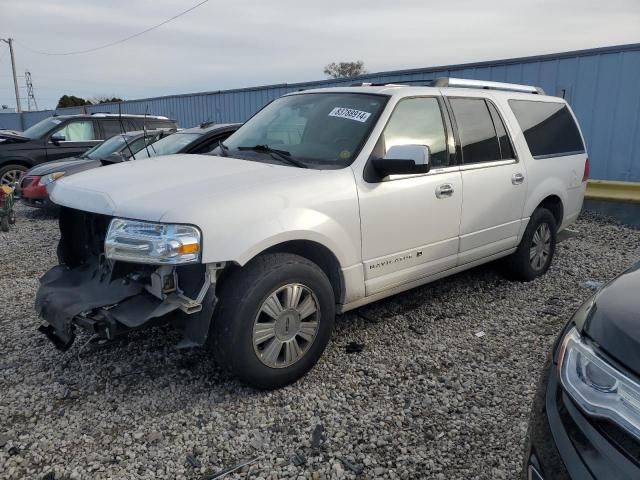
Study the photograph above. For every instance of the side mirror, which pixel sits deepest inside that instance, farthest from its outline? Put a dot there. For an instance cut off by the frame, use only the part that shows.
(404, 160)
(56, 138)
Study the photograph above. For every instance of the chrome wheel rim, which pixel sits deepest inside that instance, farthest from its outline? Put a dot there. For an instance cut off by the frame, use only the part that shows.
(540, 247)
(286, 325)
(11, 177)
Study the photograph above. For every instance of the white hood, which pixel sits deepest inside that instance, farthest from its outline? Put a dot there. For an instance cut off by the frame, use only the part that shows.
(148, 189)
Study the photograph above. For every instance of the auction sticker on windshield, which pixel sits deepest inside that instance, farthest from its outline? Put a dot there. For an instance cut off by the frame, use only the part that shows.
(350, 113)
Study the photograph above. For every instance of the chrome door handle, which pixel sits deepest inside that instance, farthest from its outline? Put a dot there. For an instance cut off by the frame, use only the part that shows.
(444, 190)
(517, 178)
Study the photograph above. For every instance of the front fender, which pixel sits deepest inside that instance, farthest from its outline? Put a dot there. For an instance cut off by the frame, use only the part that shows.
(254, 237)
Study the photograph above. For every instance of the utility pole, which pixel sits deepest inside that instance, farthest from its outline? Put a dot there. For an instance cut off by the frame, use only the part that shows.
(15, 77)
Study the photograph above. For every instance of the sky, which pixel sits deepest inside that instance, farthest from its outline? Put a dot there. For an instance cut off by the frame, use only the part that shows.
(245, 43)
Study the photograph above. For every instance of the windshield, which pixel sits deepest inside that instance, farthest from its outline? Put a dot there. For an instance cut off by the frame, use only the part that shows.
(323, 130)
(168, 145)
(41, 128)
(107, 147)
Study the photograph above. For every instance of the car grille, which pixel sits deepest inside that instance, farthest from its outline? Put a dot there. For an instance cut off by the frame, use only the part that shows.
(26, 181)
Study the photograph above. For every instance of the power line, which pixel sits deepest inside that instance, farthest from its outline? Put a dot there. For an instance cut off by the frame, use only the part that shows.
(77, 52)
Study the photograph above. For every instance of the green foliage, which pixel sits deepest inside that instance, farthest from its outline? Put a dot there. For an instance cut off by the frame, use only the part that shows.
(345, 69)
(72, 101)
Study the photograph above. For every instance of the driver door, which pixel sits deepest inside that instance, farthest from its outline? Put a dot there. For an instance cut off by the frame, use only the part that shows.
(410, 223)
(79, 136)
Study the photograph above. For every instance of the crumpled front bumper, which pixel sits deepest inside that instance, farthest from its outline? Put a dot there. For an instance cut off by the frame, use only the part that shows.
(92, 298)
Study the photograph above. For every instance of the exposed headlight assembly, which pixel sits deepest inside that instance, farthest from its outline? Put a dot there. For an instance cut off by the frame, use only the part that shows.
(154, 243)
(598, 387)
(51, 177)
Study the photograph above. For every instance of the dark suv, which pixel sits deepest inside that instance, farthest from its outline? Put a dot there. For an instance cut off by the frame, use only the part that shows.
(65, 136)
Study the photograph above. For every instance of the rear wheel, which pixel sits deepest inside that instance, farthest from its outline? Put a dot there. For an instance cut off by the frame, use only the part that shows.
(273, 320)
(11, 174)
(537, 247)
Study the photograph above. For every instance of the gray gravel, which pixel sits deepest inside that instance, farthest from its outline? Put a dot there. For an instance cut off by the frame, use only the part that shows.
(426, 398)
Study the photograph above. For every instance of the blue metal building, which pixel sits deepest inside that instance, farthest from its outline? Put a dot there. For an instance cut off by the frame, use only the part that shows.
(602, 86)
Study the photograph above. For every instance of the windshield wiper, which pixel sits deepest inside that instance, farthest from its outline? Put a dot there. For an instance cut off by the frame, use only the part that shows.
(282, 154)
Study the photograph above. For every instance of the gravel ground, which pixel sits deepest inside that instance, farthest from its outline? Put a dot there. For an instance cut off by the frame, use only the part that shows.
(427, 397)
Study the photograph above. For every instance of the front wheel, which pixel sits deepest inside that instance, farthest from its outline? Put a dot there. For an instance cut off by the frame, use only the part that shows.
(537, 247)
(273, 320)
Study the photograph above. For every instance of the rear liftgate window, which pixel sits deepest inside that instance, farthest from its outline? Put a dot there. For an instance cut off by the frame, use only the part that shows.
(548, 127)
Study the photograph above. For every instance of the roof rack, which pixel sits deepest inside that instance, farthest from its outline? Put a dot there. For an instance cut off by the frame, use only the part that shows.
(467, 83)
(106, 114)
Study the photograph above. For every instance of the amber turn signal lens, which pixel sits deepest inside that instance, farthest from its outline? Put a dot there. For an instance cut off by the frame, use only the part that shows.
(189, 248)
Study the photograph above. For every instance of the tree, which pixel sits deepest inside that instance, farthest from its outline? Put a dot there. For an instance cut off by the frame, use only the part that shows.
(345, 69)
(105, 99)
(71, 101)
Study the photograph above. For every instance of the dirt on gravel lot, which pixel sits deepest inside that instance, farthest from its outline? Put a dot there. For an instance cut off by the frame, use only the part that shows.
(426, 398)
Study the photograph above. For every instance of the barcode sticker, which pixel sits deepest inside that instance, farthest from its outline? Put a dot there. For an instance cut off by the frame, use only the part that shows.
(350, 113)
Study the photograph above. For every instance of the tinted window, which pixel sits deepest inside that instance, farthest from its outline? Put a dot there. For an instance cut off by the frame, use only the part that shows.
(506, 150)
(111, 128)
(548, 128)
(417, 121)
(476, 130)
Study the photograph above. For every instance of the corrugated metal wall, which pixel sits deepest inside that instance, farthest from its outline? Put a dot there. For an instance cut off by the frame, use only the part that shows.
(600, 84)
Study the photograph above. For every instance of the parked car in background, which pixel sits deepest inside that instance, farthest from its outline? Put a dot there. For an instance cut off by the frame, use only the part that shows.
(324, 201)
(200, 139)
(585, 422)
(32, 187)
(65, 136)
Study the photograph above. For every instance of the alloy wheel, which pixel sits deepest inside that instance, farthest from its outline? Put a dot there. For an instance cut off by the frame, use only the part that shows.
(11, 177)
(286, 325)
(540, 247)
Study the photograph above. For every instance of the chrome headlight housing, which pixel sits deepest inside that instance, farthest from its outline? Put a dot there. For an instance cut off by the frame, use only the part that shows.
(153, 243)
(597, 386)
(51, 177)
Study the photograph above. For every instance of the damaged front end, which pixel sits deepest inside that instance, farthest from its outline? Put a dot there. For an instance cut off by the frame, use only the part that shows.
(111, 297)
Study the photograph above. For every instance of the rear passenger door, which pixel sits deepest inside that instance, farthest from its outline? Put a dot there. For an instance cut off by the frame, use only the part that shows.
(494, 182)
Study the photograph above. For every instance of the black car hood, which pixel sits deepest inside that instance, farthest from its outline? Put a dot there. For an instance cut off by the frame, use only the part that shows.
(614, 319)
(68, 165)
(11, 136)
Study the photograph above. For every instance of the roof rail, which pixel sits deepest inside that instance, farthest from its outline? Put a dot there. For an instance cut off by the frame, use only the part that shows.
(141, 115)
(468, 83)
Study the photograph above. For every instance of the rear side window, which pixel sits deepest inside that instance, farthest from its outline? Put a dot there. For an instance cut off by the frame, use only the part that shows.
(111, 128)
(476, 130)
(549, 128)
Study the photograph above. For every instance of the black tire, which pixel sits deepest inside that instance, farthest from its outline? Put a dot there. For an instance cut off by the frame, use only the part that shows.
(5, 169)
(4, 223)
(241, 298)
(519, 265)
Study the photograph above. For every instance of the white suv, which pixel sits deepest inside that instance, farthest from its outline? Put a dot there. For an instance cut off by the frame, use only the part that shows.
(324, 201)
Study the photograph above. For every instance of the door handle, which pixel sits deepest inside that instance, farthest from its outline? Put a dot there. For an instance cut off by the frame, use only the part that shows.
(444, 190)
(517, 178)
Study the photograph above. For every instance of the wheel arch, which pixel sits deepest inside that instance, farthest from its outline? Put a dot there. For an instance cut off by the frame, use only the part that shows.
(313, 251)
(318, 254)
(554, 204)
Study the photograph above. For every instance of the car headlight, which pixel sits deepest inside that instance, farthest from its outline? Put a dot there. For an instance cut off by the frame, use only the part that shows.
(598, 387)
(155, 243)
(51, 177)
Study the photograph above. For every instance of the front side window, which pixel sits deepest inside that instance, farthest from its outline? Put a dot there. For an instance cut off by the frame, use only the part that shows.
(476, 130)
(548, 127)
(321, 130)
(77, 131)
(416, 121)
